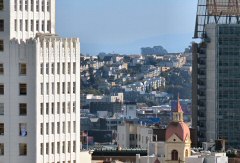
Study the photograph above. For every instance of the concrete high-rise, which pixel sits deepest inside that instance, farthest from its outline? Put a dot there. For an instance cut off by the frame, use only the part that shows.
(39, 86)
(216, 64)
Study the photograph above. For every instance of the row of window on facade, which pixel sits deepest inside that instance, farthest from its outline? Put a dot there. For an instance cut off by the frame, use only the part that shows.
(18, 24)
(22, 69)
(23, 132)
(61, 147)
(45, 130)
(44, 5)
(22, 109)
(64, 108)
(22, 129)
(71, 68)
(22, 89)
(65, 66)
(70, 86)
(22, 149)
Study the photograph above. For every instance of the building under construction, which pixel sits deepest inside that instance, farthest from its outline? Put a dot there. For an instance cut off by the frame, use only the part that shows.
(216, 72)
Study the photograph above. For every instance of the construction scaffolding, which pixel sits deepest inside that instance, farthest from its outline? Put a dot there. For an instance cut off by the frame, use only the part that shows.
(216, 12)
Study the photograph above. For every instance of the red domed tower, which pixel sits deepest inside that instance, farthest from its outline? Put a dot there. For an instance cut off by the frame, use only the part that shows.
(178, 142)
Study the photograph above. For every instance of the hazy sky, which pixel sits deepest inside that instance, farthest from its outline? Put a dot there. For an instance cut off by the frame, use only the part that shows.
(124, 26)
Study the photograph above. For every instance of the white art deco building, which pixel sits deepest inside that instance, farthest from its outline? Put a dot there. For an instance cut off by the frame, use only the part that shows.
(39, 86)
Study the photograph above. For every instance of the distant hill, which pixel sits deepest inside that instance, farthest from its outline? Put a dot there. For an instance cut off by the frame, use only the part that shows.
(159, 50)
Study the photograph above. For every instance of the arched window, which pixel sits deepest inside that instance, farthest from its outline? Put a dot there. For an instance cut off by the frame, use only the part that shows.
(186, 153)
(174, 155)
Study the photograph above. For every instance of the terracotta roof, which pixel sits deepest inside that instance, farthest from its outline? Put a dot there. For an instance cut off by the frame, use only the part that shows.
(157, 161)
(178, 128)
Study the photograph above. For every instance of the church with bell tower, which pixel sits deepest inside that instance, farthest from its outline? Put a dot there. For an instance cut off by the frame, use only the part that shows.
(177, 139)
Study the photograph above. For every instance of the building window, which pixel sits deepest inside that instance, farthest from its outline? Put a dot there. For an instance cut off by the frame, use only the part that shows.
(47, 88)
(43, 5)
(22, 109)
(53, 68)
(74, 87)
(68, 87)
(69, 126)
(58, 147)
(22, 68)
(23, 89)
(74, 107)
(174, 155)
(74, 146)
(41, 108)
(1, 89)
(1, 25)
(74, 68)
(48, 5)
(22, 149)
(15, 5)
(15, 24)
(31, 5)
(58, 87)
(58, 127)
(74, 126)
(26, 25)
(37, 25)
(21, 25)
(1, 108)
(1, 45)
(47, 128)
(22, 129)
(63, 88)
(53, 108)
(26, 5)
(41, 129)
(47, 108)
(58, 68)
(53, 148)
(43, 25)
(41, 148)
(63, 128)
(48, 25)
(63, 68)
(1, 149)
(69, 107)
(1, 128)
(20, 5)
(41, 68)
(47, 68)
(58, 107)
(63, 108)
(37, 5)
(53, 128)
(63, 147)
(69, 147)
(69, 68)
(1, 69)
(32, 25)
(1, 5)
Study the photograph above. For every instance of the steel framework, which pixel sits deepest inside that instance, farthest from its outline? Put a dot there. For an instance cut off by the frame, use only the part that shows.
(216, 12)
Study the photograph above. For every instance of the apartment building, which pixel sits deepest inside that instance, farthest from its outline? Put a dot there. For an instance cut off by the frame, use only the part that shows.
(39, 86)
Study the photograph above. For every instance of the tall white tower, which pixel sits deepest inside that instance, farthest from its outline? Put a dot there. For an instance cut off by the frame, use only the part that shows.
(39, 86)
